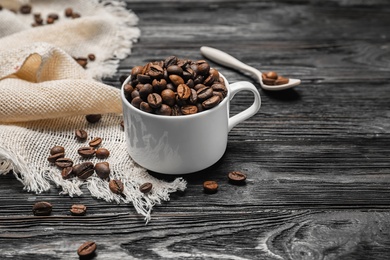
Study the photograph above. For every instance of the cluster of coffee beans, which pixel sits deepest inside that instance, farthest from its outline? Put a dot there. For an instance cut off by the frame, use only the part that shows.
(234, 177)
(175, 87)
(272, 78)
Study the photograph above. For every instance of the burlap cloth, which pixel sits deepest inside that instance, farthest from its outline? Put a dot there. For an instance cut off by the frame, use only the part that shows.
(45, 95)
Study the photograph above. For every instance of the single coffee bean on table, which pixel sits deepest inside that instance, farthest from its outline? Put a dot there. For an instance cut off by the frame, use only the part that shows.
(64, 162)
(86, 152)
(78, 210)
(210, 186)
(57, 149)
(42, 208)
(67, 173)
(237, 177)
(87, 249)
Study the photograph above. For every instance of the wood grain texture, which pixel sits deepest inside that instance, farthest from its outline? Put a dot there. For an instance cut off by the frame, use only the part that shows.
(317, 156)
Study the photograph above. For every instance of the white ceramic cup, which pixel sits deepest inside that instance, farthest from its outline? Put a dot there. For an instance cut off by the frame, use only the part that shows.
(187, 143)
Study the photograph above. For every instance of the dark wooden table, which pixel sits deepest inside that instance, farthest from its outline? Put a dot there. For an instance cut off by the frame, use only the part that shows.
(317, 156)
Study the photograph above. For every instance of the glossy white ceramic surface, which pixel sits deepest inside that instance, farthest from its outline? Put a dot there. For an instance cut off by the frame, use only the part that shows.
(183, 144)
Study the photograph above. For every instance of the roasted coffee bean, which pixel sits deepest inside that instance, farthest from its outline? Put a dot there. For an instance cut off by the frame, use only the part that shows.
(25, 9)
(68, 12)
(236, 177)
(146, 69)
(215, 74)
(78, 210)
(190, 83)
(38, 20)
(172, 60)
(146, 187)
(154, 100)
(176, 111)
(116, 186)
(81, 134)
(209, 80)
(211, 102)
(136, 102)
(159, 85)
(210, 186)
(168, 97)
(84, 170)
(50, 20)
(203, 67)
(193, 97)
(144, 106)
(199, 86)
(267, 81)
(281, 80)
(53, 158)
(164, 110)
(128, 88)
(142, 78)
(102, 170)
(156, 71)
(183, 92)
(87, 249)
(271, 75)
(86, 152)
(145, 90)
(93, 118)
(136, 70)
(204, 93)
(95, 142)
(135, 92)
(57, 149)
(219, 87)
(176, 80)
(42, 208)
(174, 69)
(198, 79)
(64, 162)
(91, 57)
(189, 110)
(67, 173)
(53, 16)
(102, 153)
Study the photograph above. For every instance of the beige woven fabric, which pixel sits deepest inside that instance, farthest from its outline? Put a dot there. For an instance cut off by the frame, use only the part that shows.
(45, 95)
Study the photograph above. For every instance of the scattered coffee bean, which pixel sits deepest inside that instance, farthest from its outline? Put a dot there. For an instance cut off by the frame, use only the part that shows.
(67, 173)
(81, 134)
(50, 20)
(75, 15)
(84, 170)
(57, 149)
(64, 162)
(53, 158)
(86, 152)
(68, 12)
(25, 9)
(210, 186)
(272, 78)
(87, 249)
(146, 187)
(236, 177)
(116, 186)
(78, 210)
(211, 102)
(102, 153)
(91, 57)
(95, 142)
(102, 170)
(42, 208)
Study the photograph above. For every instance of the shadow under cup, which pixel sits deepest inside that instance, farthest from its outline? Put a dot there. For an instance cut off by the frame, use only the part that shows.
(182, 144)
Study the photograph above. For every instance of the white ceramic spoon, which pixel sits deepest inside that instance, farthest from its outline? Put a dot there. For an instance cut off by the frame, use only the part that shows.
(229, 61)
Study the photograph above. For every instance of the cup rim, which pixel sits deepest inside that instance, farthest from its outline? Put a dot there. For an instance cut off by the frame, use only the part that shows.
(179, 117)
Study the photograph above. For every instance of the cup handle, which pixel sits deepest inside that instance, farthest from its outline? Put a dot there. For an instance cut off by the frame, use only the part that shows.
(250, 111)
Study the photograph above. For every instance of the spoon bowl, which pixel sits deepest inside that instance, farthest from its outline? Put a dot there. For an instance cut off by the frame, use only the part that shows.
(227, 60)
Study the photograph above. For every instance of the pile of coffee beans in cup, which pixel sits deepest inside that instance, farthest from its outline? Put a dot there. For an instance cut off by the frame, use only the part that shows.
(174, 87)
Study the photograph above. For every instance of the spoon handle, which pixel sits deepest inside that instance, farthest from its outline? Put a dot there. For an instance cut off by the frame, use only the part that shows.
(225, 59)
